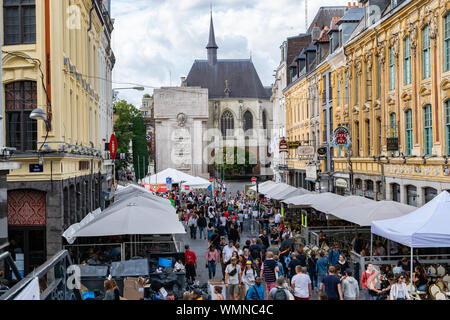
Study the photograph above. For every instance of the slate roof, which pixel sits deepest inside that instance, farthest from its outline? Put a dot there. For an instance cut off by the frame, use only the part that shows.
(325, 15)
(243, 80)
(352, 15)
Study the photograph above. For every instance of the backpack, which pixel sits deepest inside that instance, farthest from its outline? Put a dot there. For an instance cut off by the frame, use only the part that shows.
(279, 294)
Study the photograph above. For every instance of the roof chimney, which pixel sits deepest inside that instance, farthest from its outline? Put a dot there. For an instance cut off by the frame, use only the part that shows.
(349, 4)
(315, 34)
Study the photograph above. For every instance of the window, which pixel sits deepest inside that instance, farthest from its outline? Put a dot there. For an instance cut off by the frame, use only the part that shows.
(391, 69)
(395, 192)
(428, 130)
(325, 125)
(368, 137)
(248, 121)
(264, 120)
(411, 195)
(338, 92)
(447, 124)
(368, 84)
(407, 60)
(346, 87)
(227, 123)
(430, 194)
(356, 151)
(426, 52)
(409, 132)
(447, 42)
(380, 137)
(19, 21)
(357, 89)
(393, 121)
(324, 94)
(330, 88)
(21, 99)
(379, 80)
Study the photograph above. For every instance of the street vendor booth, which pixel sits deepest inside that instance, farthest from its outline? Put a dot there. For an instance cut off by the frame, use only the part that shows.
(426, 227)
(159, 182)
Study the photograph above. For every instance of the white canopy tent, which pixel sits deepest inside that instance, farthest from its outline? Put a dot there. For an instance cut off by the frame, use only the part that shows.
(341, 203)
(133, 217)
(365, 213)
(262, 187)
(69, 233)
(196, 183)
(283, 191)
(177, 177)
(426, 227)
(131, 189)
(294, 193)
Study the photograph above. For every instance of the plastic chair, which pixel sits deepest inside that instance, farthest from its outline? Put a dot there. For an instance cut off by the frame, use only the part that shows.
(441, 271)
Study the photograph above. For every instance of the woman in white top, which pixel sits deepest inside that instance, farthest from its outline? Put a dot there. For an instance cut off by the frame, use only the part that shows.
(248, 276)
(399, 291)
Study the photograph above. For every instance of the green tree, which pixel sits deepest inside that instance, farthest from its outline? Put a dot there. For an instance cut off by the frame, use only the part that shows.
(232, 162)
(123, 127)
(140, 148)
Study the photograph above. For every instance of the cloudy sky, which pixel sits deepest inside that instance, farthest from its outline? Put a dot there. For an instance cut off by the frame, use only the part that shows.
(156, 41)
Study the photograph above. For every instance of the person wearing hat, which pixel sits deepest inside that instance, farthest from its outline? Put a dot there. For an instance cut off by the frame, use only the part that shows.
(248, 275)
(350, 287)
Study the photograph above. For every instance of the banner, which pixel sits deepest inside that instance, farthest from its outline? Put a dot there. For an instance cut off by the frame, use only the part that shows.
(30, 292)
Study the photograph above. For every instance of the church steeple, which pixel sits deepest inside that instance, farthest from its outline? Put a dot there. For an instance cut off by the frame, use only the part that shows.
(212, 46)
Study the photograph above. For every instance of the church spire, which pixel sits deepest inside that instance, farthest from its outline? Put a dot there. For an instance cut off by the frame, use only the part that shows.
(212, 46)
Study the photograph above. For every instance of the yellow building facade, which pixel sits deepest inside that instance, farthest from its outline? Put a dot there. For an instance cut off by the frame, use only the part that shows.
(53, 64)
(298, 128)
(398, 88)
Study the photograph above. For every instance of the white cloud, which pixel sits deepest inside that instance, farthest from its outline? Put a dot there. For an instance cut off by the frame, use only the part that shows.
(158, 40)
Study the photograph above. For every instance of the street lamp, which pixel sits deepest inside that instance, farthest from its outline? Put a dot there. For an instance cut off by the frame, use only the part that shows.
(131, 88)
(38, 114)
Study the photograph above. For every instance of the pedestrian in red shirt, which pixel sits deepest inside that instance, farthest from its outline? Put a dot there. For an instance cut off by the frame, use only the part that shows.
(190, 260)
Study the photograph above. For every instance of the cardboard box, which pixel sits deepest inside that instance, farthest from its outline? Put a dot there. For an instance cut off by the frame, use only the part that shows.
(133, 288)
(216, 283)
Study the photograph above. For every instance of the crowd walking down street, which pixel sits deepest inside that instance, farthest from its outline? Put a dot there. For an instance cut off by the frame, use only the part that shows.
(235, 241)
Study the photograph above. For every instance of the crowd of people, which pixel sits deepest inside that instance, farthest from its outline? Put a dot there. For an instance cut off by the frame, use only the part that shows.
(273, 266)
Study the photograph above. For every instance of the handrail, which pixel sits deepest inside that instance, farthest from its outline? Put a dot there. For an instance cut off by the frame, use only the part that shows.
(7, 257)
(59, 273)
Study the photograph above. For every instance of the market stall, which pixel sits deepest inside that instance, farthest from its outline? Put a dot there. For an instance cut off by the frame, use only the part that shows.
(426, 227)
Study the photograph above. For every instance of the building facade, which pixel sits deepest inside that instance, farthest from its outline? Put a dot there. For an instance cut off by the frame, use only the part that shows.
(240, 111)
(398, 105)
(51, 54)
(308, 106)
(148, 116)
(181, 118)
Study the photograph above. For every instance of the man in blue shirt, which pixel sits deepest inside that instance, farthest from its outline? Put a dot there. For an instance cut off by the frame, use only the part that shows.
(321, 268)
(255, 292)
(333, 255)
(332, 285)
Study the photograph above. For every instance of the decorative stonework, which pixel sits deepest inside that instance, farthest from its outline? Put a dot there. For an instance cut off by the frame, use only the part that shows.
(412, 32)
(368, 59)
(381, 53)
(394, 43)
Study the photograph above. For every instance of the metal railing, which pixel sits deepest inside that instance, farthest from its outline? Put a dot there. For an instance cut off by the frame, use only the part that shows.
(53, 280)
(393, 260)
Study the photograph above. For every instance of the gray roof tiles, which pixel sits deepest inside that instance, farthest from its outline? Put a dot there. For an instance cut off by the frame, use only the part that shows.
(243, 80)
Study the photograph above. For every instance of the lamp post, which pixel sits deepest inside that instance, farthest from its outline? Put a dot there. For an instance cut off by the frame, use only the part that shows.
(38, 114)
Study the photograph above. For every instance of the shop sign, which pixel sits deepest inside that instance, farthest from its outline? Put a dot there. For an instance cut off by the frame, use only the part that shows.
(341, 183)
(284, 147)
(311, 172)
(294, 144)
(322, 151)
(392, 144)
(305, 151)
(341, 137)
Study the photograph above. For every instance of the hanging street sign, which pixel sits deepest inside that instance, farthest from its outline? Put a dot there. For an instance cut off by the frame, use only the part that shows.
(113, 146)
(284, 147)
(341, 137)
